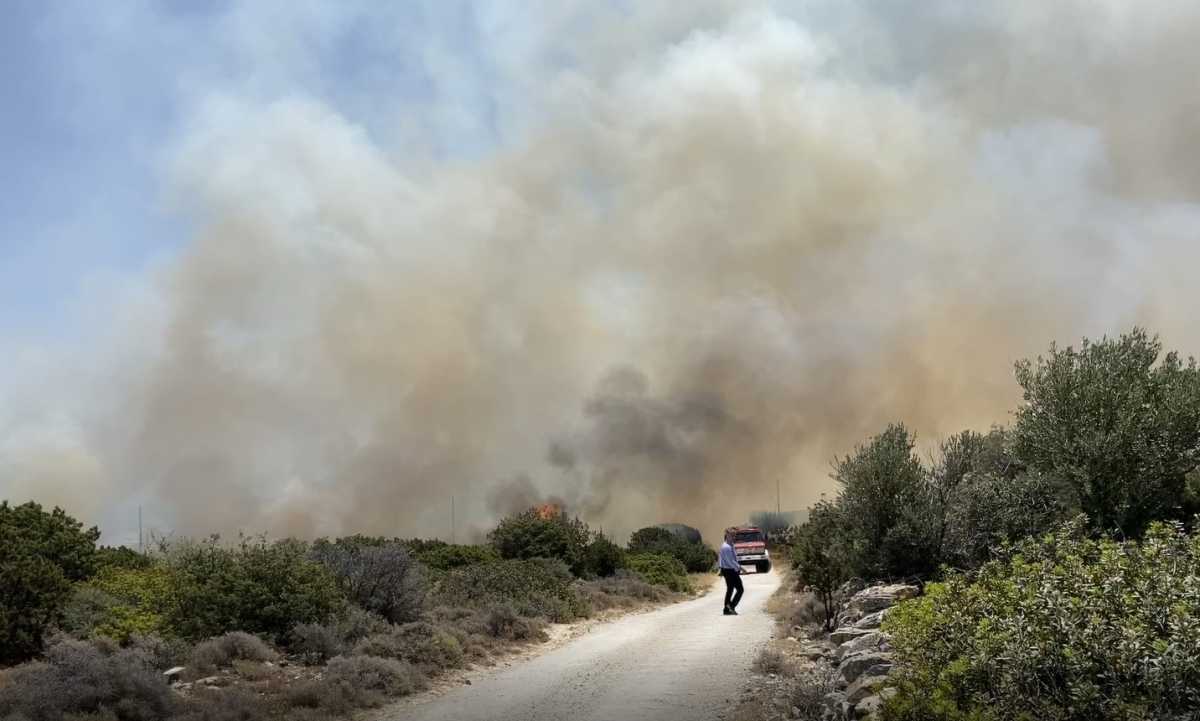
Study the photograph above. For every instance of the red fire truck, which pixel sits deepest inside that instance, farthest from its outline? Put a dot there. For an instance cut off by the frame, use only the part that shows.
(750, 545)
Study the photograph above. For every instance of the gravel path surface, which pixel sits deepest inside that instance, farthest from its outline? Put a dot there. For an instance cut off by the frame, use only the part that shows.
(684, 661)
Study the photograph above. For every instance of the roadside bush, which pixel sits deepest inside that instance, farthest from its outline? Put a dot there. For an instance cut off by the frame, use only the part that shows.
(1067, 628)
(533, 587)
(820, 559)
(502, 621)
(355, 682)
(222, 651)
(771, 661)
(535, 534)
(694, 555)
(256, 586)
(41, 555)
(622, 590)
(161, 653)
(381, 675)
(315, 642)
(355, 624)
(447, 557)
(79, 677)
(228, 705)
(660, 569)
(422, 644)
(603, 558)
(382, 578)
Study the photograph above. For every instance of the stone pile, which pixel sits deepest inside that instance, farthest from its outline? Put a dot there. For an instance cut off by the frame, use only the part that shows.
(862, 655)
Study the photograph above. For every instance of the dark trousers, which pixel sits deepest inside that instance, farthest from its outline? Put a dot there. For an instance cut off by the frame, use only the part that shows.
(733, 587)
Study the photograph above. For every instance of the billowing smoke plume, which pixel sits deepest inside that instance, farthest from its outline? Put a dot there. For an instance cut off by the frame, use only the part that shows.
(715, 247)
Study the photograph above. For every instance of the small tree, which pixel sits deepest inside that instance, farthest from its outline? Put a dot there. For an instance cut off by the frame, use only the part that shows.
(535, 534)
(887, 508)
(818, 554)
(1115, 425)
(41, 555)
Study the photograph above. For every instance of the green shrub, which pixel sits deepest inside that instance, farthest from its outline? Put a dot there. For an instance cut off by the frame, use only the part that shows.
(446, 557)
(887, 522)
(80, 677)
(603, 558)
(536, 534)
(660, 569)
(1066, 628)
(121, 557)
(41, 555)
(694, 555)
(121, 601)
(534, 587)
(819, 557)
(256, 586)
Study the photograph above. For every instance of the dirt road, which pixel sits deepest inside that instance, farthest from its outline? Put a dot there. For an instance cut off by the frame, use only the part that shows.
(682, 662)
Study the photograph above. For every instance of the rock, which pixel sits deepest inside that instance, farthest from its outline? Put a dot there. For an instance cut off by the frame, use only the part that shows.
(869, 707)
(793, 639)
(813, 653)
(795, 712)
(209, 680)
(847, 633)
(853, 665)
(877, 598)
(172, 674)
(870, 641)
(872, 620)
(864, 686)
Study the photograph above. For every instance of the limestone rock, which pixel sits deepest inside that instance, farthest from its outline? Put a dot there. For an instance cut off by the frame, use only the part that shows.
(847, 633)
(853, 665)
(870, 641)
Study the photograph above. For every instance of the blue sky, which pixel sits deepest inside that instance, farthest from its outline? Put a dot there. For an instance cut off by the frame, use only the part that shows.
(94, 100)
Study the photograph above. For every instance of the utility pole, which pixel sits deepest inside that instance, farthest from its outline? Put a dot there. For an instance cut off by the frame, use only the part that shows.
(452, 528)
(141, 544)
(778, 511)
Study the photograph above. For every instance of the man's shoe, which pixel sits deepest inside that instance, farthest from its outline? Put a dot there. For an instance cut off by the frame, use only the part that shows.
(729, 611)
(733, 612)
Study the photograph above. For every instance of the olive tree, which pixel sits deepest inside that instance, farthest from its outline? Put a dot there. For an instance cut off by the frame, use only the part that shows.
(1116, 423)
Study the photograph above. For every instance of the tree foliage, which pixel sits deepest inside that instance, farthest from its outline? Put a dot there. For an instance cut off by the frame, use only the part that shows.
(41, 555)
(1117, 423)
(1064, 628)
(818, 554)
(885, 504)
(534, 534)
(254, 586)
(695, 556)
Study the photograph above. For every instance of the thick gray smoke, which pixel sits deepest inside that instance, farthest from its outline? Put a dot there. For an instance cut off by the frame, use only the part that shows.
(718, 246)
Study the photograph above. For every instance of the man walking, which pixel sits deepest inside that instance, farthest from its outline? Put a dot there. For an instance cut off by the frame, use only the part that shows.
(731, 571)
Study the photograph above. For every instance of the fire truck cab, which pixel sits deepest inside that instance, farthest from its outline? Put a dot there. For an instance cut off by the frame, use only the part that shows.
(750, 545)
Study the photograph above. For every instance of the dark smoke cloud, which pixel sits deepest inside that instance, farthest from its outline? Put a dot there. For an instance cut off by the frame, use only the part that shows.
(718, 247)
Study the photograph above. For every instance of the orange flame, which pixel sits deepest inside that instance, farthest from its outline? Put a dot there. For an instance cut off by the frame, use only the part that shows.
(546, 511)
